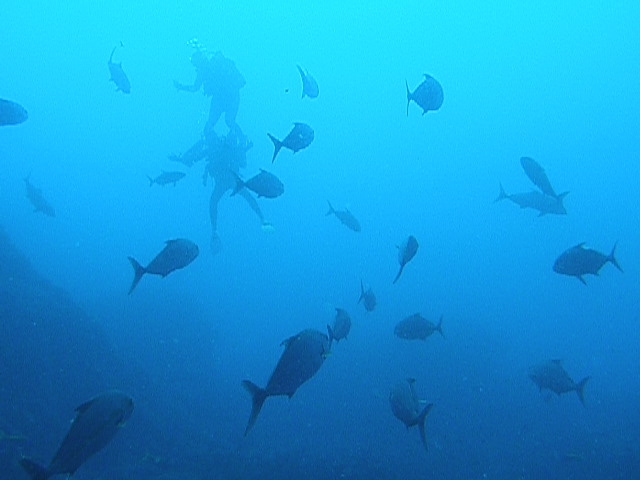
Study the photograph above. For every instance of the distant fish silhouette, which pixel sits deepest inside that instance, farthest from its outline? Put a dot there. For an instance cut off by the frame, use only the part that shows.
(406, 252)
(300, 136)
(117, 74)
(309, 84)
(11, 113)
(538, 176)
(428, 95)
(40, 204)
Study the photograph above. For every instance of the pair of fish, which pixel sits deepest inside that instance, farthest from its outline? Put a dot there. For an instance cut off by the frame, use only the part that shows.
(428, 95)
(300, 136)
(552, 376)
(40, 204)
(345, 217)
(12, 113)
(545, 200)
(579, 261)
(416, 327)
(264, 184)
(96, 423)
(117, 74)
(303, 356)
(408, 408)
(175, 255)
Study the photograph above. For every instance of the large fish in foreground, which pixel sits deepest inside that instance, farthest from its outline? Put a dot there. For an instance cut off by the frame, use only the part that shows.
(406, 252)
(579, 260)
(303, 356)
(95, 424)
(176, 254)
(40, 204)
(264, 184)
(309, 84)
(416, 327)
(537, 175)
(368, 296)
(428, 95)
(117, 74)
(345, 217)
(552, 376)
(407, 408)
(535, 200)
(300, 136)
(12, 113)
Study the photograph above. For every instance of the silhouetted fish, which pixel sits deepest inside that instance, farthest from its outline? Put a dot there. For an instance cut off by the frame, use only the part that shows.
(175, 255)
(303, 356)
(406, 252)
(117, 74)
(552, 376)
(96, 423)
(368, 296)
(341, 326)
(535, 200)
(537, 175)
(166, 178)
(428, 95)
(40, 204)
(195, 153)
(12, 113)
(405, 405)
(345, 217)
(309, 84)
(264, 184)
(578, 261)
(416, 327)
(298, 138)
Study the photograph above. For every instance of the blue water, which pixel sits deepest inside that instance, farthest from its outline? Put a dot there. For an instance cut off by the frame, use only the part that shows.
(556, 81)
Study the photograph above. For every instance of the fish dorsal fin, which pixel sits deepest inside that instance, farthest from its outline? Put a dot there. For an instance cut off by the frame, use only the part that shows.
(580, 245)
(286, 342)
(84, 407)
(170, 242)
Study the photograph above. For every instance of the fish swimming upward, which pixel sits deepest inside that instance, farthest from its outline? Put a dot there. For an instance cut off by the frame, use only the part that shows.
(117, 74)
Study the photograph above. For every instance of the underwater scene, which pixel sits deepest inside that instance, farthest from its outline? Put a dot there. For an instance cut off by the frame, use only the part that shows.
(320, 240)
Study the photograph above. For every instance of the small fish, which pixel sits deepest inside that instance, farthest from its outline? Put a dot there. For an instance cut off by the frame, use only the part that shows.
(428, 95)
(341, 326)
(166, 178)
(303, 356)
(345, 217)
(176, 254)
(552, 376)
(406, 407)
(416, 327)
(195, 153)
(537, 175)
(264, 184)
(12, 113)
(298, 138)
(117, 74)
(406, 252)
(368, 296)
(96, 423)
(309, 84)
(579, 260)
(40, 204)
(535, 200)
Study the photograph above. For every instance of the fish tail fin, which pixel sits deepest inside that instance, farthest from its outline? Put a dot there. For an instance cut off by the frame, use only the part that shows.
(35, 471)
(408, 96)
(361, 291)
(399, 273)
(612, 257)
(239, 185)
(502, 195)
(421, 421)
(331, 209)
(150, 181)
(138, 271)
(439, 327)
(277, 145)
(258, 396)
(580, 389)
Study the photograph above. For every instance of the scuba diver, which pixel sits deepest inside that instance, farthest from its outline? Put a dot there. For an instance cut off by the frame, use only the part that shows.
(226, 156)
(220, 79)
